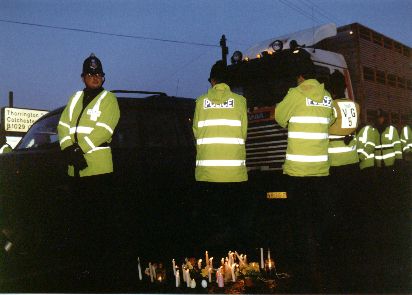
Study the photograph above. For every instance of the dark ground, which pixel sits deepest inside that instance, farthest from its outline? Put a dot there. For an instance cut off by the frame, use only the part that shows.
(375, 254)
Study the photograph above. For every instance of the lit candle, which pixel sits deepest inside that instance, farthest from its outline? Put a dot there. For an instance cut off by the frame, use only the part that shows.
(232, 268)
(245, 259)
(211, 262)
(199, 264)
(174, 267)
(151, 272)
(187, 278)
(220, 281)
(268, 254)
(177, 279)
(210, 274)
(262, 264)
(207, 258)
(193, 284)
(222, 261)
(139, 268)
(183, 273)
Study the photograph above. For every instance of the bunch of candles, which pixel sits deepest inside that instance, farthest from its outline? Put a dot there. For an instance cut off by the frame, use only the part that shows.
(203, 270)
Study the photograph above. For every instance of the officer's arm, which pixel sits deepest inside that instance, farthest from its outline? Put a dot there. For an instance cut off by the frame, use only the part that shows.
(284, 110)
(105, 125)
(334, 114)
(244, 120)
(195, 119)
(397, 145)
(63, 128)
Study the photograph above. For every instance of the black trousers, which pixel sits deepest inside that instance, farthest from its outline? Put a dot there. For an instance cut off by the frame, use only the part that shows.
(92, 228)
(312, 219)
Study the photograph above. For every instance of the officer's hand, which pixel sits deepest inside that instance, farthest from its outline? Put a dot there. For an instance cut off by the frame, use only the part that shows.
(79, 161)
(68, 153)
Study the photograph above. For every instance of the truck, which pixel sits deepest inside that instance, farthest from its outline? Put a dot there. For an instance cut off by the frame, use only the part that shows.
(264, 73)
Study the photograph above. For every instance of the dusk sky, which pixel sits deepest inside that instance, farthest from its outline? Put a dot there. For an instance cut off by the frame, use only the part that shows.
(42, 65)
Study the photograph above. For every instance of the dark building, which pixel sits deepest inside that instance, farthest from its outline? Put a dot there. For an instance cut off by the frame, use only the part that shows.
(381, 71)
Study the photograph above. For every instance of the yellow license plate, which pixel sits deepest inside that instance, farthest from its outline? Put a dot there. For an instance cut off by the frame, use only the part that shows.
(276, 195)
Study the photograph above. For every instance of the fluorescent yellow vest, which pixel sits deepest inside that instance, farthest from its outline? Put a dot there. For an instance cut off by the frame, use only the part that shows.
(220, 129)
(307, 113)
(388, 147)
(94, 130)
(366, 142)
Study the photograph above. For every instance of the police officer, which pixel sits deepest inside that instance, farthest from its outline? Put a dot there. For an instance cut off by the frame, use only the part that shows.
(388, 150)
(5, 147)
(220, 128)
(406, 141)
(307, 113)
(85, 131)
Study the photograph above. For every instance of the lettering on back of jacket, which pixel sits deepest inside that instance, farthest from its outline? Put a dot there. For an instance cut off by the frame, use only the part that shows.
(229, 104)
(326, 103)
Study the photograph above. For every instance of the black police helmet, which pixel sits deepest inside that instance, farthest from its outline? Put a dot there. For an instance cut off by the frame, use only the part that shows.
(92, 65)
(219, 72)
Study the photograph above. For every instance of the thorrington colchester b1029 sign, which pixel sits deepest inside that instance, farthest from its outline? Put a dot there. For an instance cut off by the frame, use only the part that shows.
(20, 120)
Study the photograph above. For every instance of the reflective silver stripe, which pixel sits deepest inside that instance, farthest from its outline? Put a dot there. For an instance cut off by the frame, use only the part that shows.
(96, 107)
(398, 152)
(336, 136)
(390, 134)
(364, 136)
(89, 142)
(81, 129)
(64, 124)
(224, 140)
(390, 155)
(308, 135)
(98, 149)
(73, 104)
(343, 149)
(221, 163)
(2, 148)
(219, 122)
(382, 146)
(309, 120)
(303, 158)
(397, 142)
(64, 139)
(105, 126)
(370, 143)
(405, 133)
(362, 151)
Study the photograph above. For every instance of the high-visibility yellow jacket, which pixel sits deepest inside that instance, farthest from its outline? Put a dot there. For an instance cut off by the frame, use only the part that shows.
(94, 126)
(307, 112)
(6, 148)
(220, 129)
(366, 142)
(347, 118)
(406, 139)
(388, 147)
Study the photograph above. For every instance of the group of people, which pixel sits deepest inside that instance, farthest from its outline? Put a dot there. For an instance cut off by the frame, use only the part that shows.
(322, 139)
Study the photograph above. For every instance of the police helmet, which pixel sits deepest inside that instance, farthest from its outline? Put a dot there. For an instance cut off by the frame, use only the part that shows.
(92, 65)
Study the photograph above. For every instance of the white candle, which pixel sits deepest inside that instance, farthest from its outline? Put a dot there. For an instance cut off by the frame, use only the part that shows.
(151, 272)
(210, 274)
(183, 273)
(187, 278)
(220, 281)
(222, 261)
(245, 259)
(193, 284)
(139, 268)
(268, 254)
(233, 272)
(174, 267)
(262, 265)
(207, 258)
(211, 262)
(199, 264)
(177, 279)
